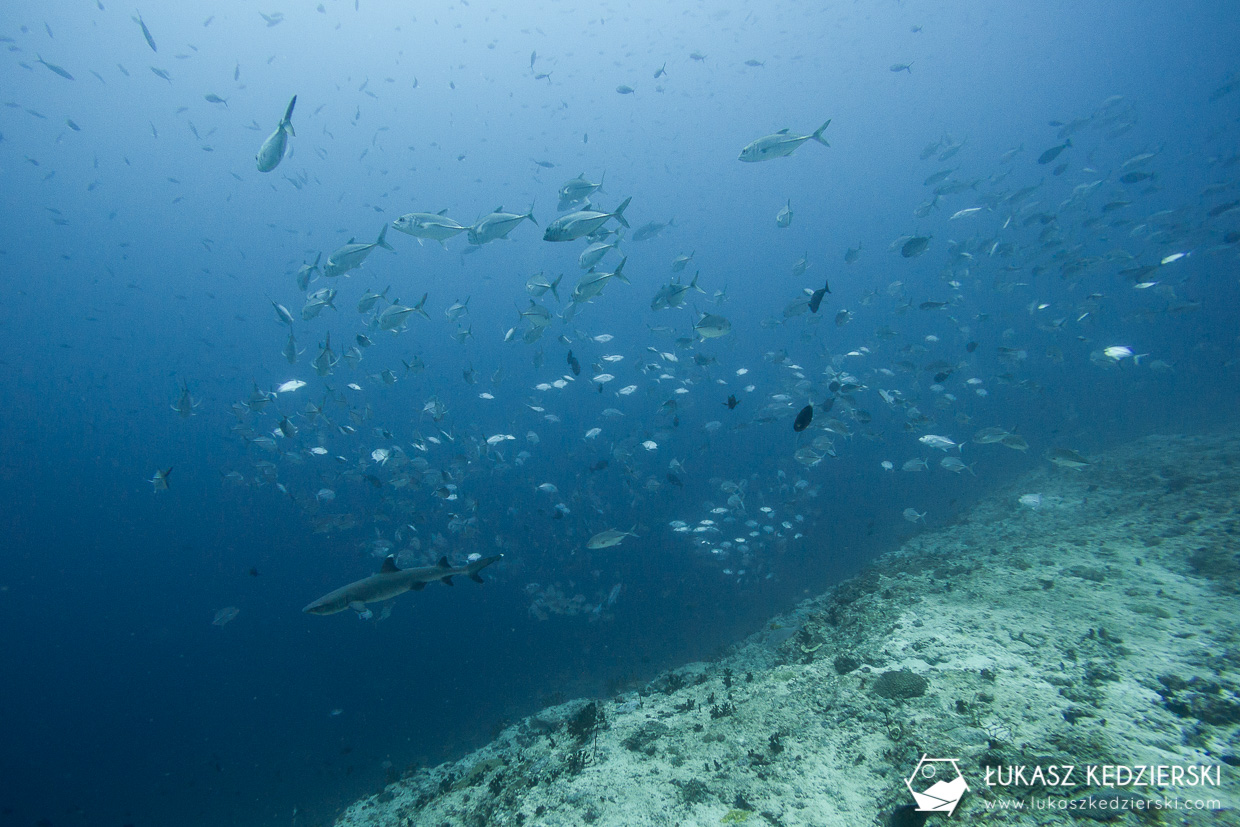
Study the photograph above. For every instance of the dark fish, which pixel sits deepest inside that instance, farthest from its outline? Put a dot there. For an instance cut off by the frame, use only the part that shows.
(971, 346)
(826, 407)
(574, 364)
(146, 33)
(1222, 208)
(932, 305)
(803, 419)
(53, 67)
(815, 300)
(624, 90)
(599, 466)
(915, 246)
(1136, 177)
(732, 402)
(1053, 153)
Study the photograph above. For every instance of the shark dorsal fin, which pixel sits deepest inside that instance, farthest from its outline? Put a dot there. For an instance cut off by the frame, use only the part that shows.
(444, 211)
(389, 564)
(443, 563)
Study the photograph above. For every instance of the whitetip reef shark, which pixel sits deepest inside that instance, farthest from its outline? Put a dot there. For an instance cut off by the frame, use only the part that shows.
(392, 581)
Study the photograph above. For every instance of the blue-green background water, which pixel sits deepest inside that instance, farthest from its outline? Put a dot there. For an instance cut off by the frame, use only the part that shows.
(136, 255)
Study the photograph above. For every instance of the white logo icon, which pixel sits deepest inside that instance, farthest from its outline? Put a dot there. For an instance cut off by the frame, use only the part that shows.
(937, 785)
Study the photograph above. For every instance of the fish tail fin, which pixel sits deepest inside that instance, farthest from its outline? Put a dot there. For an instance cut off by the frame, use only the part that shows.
(478, 565)
(619, 267)
(287, 121)
(530, 214)
(817, 136)
(382, 240)
(555, 285)
(619, 213)
(694, 285)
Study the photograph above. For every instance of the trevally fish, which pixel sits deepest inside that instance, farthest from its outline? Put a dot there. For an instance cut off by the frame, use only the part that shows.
(350, 256)
(497, 224)
(578, 190)
(673, 295)
(780, 145)
(583, 222)
(272, 151)
(435, 226)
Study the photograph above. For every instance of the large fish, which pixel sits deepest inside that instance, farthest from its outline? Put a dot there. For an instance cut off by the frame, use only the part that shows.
(272, 151)
(392, 581)
(350, 256)
(780, 145)
(497, 224)
(583, 222)
(435, 226)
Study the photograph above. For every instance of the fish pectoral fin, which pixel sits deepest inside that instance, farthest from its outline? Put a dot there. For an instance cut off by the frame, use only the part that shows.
(447, 581)
(417, 587)
(357, 606)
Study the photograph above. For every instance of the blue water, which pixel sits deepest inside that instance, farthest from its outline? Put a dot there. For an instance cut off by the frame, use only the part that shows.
(136, 256)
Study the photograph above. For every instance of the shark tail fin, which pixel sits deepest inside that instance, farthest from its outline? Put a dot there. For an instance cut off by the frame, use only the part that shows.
(478, 565)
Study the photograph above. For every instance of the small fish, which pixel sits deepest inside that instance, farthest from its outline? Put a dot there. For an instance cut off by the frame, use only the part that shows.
(942, 443)
(215, 99)
(272, 151)
(660, 72)
(150, 41)
(913, 516)
(1053, 153)
(159, 481)
(902, 67)
(784, 217)
(624, 90)
(1067, 458)
(915, 246)
(52, 66)
(803, 419)
(712, 326)
(815, 299)
(609, 538)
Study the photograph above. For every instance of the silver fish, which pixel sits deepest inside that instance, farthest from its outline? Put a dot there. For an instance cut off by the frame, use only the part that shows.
(272, 151)
(780, 145)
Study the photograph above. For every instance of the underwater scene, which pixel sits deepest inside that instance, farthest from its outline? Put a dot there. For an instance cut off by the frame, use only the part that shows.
(552, 414)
